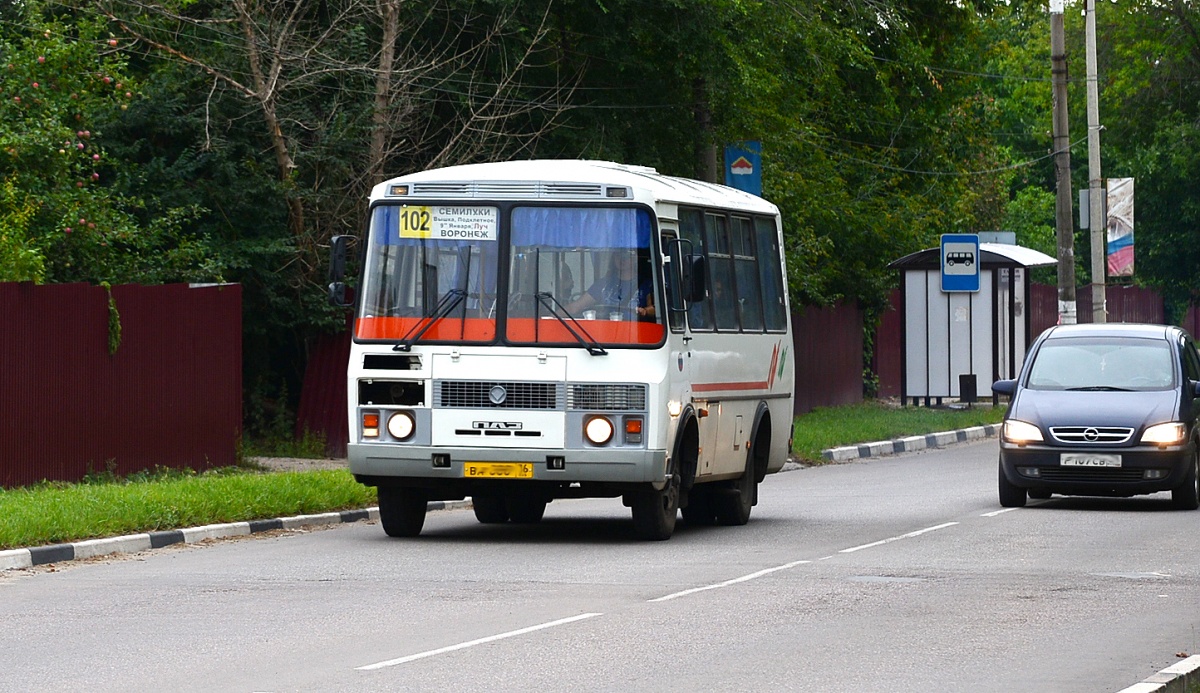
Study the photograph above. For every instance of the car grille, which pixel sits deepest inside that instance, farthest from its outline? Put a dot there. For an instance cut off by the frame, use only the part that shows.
(471, 394)
(606, 397)
(1090, 475)
(1100, 435)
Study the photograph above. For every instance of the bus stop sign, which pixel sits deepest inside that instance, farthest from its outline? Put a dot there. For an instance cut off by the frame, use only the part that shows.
(960, 262)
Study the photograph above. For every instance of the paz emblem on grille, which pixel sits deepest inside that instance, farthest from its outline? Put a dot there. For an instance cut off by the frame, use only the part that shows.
(497, 394)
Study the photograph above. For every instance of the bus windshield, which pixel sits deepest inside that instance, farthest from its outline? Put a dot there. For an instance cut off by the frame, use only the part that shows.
(431, 273)
(577, 276)
(582, 271)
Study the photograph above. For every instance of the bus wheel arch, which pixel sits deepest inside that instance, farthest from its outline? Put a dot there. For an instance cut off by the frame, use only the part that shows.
(760, 442)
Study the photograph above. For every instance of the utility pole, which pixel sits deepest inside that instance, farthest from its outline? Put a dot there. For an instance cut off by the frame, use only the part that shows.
(1063, 221)
(1096, 219)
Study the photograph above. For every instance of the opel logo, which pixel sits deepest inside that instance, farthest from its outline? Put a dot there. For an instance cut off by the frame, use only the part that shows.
(1091, 435)
(498, 394)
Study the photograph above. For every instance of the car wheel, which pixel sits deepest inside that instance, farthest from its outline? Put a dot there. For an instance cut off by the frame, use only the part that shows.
(1186, 496)
(1039, 493)
(1011, 496)
(402, 510)
(489, 510)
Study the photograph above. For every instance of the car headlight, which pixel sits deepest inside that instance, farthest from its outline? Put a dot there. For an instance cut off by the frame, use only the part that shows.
(1021, 432)
(598, 429)
(401, 425)
(1165, 434)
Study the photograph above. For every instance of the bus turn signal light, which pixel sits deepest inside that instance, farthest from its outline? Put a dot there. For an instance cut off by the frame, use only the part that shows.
(370, 425)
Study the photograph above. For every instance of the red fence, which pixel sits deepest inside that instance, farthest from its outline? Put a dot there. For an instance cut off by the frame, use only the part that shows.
(171, 394)
(829, 356)
(827, 345)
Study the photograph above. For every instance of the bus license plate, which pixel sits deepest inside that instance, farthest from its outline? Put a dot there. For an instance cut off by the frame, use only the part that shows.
(498, 470)
(1080, 460)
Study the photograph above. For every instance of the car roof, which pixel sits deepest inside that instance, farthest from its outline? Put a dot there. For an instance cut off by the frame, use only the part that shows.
(1112, 329)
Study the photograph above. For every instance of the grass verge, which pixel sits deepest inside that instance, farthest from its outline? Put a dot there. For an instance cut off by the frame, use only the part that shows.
(58, 513)
(868, 422)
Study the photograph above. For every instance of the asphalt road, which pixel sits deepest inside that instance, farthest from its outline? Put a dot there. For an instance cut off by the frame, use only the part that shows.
(893, 574)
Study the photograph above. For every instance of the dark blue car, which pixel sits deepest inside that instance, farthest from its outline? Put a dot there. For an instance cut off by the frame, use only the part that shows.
(1103, 410)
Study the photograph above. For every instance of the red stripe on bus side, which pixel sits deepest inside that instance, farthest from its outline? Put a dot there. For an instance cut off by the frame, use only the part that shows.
(726, 387)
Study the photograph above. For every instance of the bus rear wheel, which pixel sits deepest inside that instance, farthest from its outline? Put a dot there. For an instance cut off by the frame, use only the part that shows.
(402, 510)
(734, 503)
(655, 511)
(489, 510)
(525, 510)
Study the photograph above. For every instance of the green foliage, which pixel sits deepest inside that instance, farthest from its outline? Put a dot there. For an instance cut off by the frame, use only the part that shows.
(61, 220)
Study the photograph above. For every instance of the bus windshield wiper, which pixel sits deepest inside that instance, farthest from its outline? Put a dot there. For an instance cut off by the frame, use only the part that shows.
(593, 347)
(452, 298)
(1099, 388)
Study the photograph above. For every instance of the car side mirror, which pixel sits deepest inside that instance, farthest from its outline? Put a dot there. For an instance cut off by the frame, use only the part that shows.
(1004, 387)
(1196, 388)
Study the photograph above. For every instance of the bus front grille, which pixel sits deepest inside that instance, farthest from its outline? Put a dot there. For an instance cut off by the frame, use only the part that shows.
(475, 394)
(606, 397)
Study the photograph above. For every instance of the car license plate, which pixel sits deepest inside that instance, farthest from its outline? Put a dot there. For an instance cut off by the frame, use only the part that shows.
(498, 470)
(1070, 459)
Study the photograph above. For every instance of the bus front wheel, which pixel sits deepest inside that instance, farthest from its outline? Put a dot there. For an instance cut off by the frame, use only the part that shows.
(402, 510)
(655, 511)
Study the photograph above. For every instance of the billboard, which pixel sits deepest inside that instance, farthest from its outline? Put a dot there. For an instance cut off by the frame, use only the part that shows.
(1120, 227)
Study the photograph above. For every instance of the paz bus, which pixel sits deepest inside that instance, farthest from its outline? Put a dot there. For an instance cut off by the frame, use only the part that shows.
(529, 331)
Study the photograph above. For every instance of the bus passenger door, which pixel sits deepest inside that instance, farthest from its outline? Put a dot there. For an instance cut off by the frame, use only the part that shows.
(685, 286)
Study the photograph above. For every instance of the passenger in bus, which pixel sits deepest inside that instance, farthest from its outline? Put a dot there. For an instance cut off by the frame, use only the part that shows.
(618, 290)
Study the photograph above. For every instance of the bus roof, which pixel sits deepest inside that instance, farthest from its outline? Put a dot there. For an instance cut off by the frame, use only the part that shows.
(566, 179)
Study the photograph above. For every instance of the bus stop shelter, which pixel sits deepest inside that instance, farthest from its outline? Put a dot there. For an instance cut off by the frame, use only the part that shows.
(956, 344)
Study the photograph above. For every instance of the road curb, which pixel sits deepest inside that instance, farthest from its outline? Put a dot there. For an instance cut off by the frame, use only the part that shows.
(14, 559)
(1177, 678)
(910, 443)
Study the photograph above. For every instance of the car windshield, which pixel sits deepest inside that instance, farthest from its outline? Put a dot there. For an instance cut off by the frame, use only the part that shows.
(1102, 363)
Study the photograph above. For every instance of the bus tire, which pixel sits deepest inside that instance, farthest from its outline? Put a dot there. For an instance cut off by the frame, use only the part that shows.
(525, 510)
(733, 504)
(699, 510)
(655, 511)
(402, 510)
(489, 510)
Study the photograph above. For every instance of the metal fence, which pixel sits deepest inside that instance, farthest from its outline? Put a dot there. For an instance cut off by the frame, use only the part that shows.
(170, 394)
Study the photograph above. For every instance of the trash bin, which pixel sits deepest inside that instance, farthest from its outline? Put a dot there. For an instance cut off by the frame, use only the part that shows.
(967, 391)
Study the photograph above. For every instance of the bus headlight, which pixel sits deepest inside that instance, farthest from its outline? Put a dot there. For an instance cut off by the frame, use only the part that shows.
(401, 425)
(598, 430)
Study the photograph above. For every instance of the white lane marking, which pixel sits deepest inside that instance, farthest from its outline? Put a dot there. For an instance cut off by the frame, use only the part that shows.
(480, 641)
(999, 512)
(734, 581)
(889, 540)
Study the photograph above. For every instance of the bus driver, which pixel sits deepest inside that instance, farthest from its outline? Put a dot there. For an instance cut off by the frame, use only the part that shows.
(619, 289)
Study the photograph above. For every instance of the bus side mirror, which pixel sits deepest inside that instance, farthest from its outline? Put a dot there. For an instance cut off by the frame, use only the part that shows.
(337, 270)
(696, 278)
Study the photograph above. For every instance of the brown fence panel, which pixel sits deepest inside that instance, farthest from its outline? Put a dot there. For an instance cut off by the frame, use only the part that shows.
(829, 356)
(323, 400)
(889, 349)
(1124, 304)
(170, 396)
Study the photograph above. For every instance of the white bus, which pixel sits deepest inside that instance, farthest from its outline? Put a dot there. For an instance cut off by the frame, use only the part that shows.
(535, 330)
